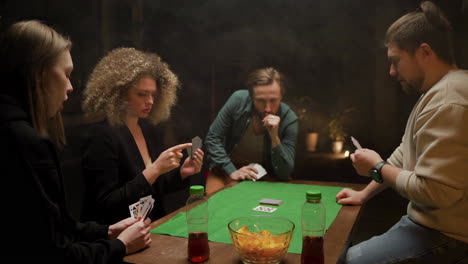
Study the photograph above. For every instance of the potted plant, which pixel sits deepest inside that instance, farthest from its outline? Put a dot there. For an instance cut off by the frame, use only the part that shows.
(309, 119)
(336, 128)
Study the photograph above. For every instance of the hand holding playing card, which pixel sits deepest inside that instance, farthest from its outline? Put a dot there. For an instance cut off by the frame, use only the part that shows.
(192, 166)
(260, 170)
(196, 144)
(244, 173)
(137, 236)
(167, 161)
(363, 160)
(117, 228)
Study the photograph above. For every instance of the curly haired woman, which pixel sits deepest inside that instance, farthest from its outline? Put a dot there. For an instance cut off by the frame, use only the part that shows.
(128, 93)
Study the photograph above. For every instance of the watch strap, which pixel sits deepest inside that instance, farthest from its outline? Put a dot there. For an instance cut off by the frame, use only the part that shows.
(379, 165)
(376, 171)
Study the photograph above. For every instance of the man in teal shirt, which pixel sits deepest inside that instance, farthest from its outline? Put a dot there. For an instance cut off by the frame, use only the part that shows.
(254, 126)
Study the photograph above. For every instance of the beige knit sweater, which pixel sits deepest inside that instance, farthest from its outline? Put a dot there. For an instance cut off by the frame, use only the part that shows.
(434, 157)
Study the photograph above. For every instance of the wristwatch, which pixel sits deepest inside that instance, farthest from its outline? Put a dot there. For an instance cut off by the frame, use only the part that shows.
(376, 171)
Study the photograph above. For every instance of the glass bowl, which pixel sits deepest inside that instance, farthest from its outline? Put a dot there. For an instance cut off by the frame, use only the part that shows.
(261, 238)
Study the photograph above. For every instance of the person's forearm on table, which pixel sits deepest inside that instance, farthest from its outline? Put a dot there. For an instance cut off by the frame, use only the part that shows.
(372, 189)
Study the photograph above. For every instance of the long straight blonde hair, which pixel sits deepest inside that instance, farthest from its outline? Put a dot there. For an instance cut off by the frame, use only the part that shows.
(28, 48)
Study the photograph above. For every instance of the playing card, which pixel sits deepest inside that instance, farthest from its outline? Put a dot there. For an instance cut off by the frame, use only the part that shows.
(144, 205)
(151, 206)
(134, 209)
(261, 171)
(356, 143)
(147, 208)
(264, 209)
(196, 144)
(189, 151)
(141, 208)
(271, 201)
(146, 198)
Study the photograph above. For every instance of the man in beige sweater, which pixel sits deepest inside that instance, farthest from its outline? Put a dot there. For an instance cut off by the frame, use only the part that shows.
(430, 167)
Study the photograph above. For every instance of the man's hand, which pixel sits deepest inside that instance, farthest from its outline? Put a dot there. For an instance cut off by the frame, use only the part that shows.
(271, 124)
(190, 167)
(364, 160)
(244, 173)
(350, 197)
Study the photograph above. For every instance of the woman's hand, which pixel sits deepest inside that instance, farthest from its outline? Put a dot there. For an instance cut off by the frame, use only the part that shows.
(137, 236)
(117, 228)
(191, 167)
(167, 161)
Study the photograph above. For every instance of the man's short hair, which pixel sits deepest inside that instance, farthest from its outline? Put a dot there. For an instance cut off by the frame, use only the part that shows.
(265, 76)
(425, 25)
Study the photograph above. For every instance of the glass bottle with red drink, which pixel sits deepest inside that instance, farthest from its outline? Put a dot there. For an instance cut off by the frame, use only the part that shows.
(313, 228)
(197, 225)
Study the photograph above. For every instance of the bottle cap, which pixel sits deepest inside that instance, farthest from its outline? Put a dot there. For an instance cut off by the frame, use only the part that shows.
(197, 189)
(313, 195)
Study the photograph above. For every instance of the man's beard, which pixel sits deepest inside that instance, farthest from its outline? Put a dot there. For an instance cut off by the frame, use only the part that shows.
(413, 87)
(408, 88)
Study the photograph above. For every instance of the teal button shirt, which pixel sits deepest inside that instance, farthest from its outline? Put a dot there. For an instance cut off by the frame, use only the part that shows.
(229, 126)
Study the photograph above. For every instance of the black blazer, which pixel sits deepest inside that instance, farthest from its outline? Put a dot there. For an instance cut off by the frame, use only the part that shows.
(35, 223)
(112, 168)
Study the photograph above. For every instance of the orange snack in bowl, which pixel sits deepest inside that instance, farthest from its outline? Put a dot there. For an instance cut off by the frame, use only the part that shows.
(245, 230)
(262, 244)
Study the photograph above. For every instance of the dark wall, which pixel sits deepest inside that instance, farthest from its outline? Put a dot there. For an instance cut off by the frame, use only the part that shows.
(331, 51)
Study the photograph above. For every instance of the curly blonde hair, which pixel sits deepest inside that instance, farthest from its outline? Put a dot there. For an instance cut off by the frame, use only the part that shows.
(105, 95)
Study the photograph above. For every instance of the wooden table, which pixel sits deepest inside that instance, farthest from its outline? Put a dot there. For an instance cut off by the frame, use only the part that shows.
(169, 249)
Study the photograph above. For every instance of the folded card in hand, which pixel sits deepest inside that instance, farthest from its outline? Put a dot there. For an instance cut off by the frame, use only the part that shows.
(261, 171)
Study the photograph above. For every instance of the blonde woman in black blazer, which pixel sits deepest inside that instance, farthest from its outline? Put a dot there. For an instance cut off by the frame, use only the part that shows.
(129, 92)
